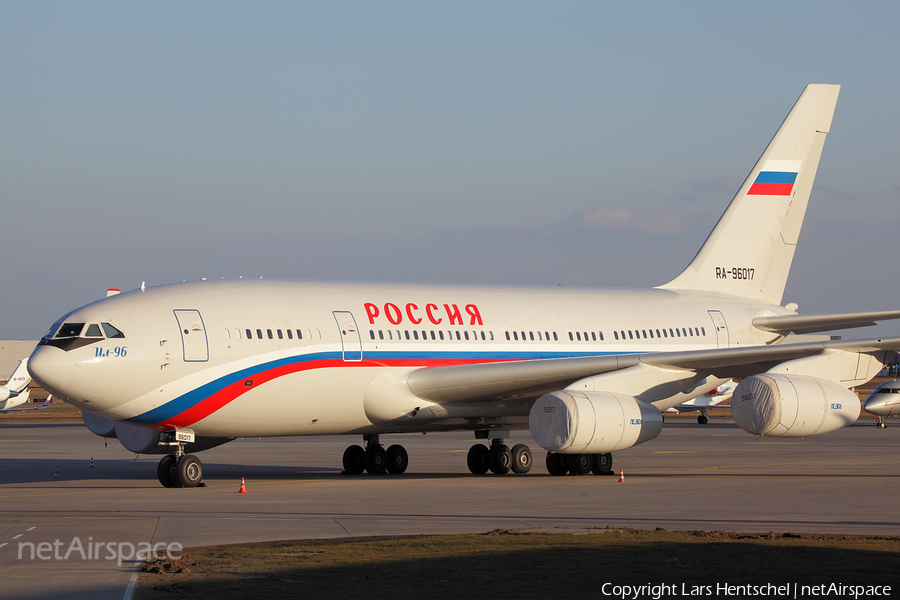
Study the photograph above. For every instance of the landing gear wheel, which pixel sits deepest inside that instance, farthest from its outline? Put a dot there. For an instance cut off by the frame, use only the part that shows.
(557, 464)
(376, 460)
(397, 459)
(165, 472)
(190, 470)
(602, 464)
(354, 460)
(521, 458)
(581, 464)
(499, 459)
(702, 420)
(477, 459)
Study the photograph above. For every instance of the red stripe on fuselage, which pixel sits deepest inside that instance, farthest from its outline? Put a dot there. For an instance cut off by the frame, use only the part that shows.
(212, 403)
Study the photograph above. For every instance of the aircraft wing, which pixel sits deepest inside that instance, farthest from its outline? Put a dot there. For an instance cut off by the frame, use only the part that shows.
(800, 324)
(532, 378)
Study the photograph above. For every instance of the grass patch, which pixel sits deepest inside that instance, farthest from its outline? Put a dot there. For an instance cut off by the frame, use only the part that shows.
(517, 564)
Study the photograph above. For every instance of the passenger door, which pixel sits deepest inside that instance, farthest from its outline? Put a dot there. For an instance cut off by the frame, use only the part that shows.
(193, 335)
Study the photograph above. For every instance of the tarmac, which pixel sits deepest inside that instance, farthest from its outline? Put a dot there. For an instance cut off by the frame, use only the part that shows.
(693, 477)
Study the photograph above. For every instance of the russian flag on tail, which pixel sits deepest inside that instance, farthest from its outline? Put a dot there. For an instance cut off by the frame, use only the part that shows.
(776, 178)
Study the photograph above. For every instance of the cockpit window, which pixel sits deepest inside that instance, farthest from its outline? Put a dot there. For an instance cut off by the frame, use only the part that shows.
(93, 330)
(69, 330)
(111, 332)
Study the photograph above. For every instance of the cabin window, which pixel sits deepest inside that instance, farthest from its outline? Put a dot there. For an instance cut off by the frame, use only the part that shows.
(407, 334)
(651, 334)
(269, 333)
(318, 334)
(441, 334)
(372, 333)
(227, 335)
(616, 334)
(280, 336)
(601, 336)
(290, 334)
(703, 330)
(249, 334)
(237, 334)
(516, 335)
(300, 334)
(630, 337)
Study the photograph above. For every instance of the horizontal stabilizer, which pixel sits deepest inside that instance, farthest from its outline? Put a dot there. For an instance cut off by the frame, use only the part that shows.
(800, 324)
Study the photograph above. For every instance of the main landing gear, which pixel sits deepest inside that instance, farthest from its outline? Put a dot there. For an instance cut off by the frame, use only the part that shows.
(579, 464)
(498, 458)
(374, 459)
(175, 471)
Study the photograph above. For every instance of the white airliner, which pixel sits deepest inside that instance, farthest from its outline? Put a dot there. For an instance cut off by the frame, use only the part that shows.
(179, 368)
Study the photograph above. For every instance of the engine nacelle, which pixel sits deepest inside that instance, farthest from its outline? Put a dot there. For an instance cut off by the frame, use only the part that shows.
(792, 405)
(141, 440)
(574, 422)
(99, 425)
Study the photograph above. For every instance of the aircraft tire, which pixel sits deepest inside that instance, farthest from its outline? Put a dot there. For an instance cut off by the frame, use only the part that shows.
(522, 460)
(602, 464)
(476, 459)
(581, 464)
(164, 472)
(190, 471)
(354, 460)
(499, 459)
(397, 459)
(376, 460)
(557, 464)
(702, 420)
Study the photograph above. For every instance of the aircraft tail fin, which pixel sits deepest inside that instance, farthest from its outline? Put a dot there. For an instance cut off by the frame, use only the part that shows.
(750, 250)
(20, 378)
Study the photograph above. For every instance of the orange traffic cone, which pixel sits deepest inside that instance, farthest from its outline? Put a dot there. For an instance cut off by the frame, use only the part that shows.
(92, 462)
(56, 473)
(243, 489)
(621, 475)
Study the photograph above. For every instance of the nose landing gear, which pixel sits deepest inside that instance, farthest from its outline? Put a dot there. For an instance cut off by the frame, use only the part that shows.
(179, 469)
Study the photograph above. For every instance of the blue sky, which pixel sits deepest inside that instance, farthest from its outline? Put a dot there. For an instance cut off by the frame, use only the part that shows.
(469, 142)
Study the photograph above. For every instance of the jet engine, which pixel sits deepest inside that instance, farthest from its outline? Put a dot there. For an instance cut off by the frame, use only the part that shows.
(792, 405)
(141, 440)
(575, 422)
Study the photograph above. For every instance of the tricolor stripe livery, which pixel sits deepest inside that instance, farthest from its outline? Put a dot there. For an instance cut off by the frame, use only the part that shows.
(773, 183)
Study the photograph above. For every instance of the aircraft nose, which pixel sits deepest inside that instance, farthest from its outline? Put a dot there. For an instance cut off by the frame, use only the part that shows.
(51, 367)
